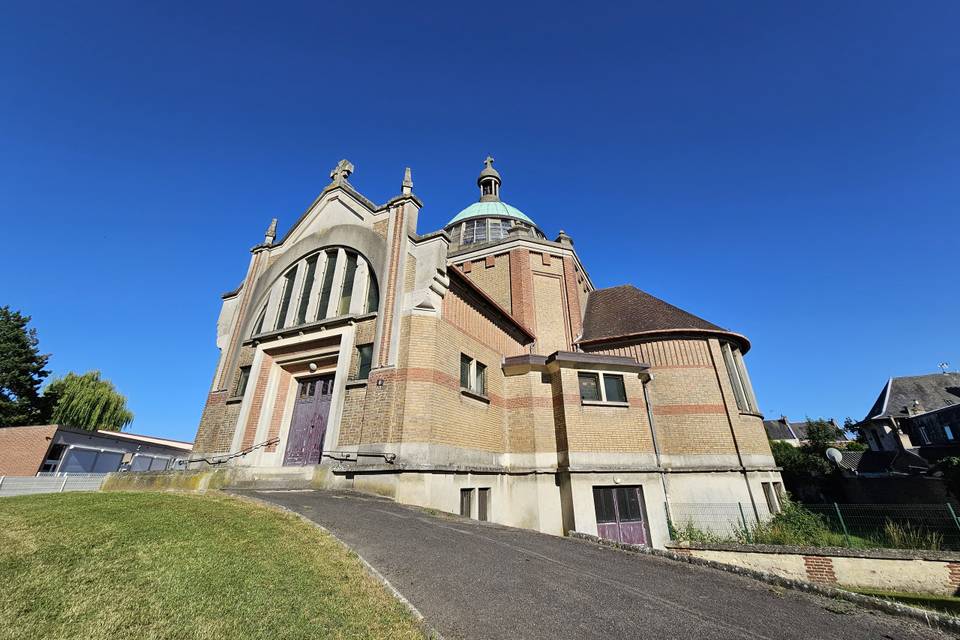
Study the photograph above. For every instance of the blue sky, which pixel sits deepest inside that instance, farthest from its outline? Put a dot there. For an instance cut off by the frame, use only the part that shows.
(786, 170)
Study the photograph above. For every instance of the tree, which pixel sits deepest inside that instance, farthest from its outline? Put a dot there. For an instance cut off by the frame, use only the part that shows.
(21, 370)
(87, 402)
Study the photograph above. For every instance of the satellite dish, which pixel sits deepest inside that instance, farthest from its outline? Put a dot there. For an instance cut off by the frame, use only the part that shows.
(834, 455)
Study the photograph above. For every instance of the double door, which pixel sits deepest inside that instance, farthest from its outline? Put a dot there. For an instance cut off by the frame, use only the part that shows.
(621, 514)
(308, 426)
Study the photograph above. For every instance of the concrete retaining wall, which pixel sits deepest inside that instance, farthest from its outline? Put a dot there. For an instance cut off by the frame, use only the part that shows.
(886, 569)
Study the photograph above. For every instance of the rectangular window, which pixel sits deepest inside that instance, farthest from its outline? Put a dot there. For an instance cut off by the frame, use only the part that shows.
(473, 375)
(285, 299)
(465, 364)
(483, 504)
(455, 234)
(466, 499)
(499, 229)
(349, 275)
(307, 288)
(480, 382)
(589, 386)
(948, 432)
(613, 388)
(327, 284)
(924, 438)
(365, 356)
(769, 492)
(242, 381)
(108, 462)
(602, 387)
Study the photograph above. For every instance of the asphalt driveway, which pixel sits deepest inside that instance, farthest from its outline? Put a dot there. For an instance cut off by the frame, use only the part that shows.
(479, 580)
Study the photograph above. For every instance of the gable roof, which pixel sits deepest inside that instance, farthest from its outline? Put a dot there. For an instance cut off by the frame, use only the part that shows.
(783, 429)
(930, 392)
(625, 311)
(779, 430)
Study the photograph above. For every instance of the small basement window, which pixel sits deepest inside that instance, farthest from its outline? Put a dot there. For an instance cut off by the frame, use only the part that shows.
(605, 388)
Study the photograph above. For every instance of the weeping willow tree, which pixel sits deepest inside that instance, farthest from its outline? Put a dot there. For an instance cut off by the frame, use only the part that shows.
(87, 402)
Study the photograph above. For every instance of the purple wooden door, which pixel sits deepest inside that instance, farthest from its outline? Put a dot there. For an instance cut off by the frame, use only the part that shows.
(308, 425)
(621, 514)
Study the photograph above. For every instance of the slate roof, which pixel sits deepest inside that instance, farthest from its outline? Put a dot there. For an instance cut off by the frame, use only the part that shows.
(783, 429)
(883, 461)
(625, 311)
(931, 392)
(778, 430)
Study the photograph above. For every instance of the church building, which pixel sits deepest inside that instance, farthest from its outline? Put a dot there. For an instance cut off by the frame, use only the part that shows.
(476, 370)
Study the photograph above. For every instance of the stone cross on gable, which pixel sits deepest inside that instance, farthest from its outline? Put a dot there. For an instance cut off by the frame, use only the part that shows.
(342, 171)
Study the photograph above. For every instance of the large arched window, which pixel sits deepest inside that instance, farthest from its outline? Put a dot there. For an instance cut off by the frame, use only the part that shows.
(332, 282)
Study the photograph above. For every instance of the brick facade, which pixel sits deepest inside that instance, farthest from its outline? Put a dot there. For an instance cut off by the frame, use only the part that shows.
(22, 449)
(517, 299)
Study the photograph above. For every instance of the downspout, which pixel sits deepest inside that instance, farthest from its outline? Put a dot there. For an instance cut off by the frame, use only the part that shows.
(656, 446)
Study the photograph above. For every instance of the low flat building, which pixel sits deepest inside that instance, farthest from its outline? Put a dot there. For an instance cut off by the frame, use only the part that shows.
(27, 451)
(476, 369)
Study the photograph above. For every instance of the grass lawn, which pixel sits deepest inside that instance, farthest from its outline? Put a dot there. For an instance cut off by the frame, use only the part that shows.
(152, 565)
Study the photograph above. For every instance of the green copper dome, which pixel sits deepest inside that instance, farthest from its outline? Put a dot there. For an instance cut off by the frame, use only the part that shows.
(491, 210)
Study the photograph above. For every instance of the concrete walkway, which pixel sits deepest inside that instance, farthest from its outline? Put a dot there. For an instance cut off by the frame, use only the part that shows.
(479, 580)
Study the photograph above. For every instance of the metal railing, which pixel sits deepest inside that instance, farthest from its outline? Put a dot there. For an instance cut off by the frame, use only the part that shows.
(50, 483)
(902, 526)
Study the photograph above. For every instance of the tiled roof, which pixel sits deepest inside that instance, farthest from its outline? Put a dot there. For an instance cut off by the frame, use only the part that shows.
(624, 311)
(910, 395)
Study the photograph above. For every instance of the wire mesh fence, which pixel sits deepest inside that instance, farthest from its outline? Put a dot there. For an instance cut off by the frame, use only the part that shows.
(898, 526)
(50, 483)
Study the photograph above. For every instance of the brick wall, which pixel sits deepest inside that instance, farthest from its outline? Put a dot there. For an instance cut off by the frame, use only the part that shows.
(594, 429)
(22, 449)
(691, 398)
(217, 424)
(493, 276)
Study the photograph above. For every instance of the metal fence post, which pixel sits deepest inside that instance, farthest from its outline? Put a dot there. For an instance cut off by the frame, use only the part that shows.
(953, 515)
(743, 518)
(843, 525)
(63, 484)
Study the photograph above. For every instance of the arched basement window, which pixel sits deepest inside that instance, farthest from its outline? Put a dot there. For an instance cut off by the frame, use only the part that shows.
(326, 284)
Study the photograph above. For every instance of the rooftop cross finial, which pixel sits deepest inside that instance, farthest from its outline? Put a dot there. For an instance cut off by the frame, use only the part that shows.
(342, 171)
(488, 161)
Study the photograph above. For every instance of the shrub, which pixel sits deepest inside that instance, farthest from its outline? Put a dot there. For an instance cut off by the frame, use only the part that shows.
(795, 525)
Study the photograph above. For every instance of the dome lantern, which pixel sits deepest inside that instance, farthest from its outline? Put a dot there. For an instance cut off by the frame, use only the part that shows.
(489, 182)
